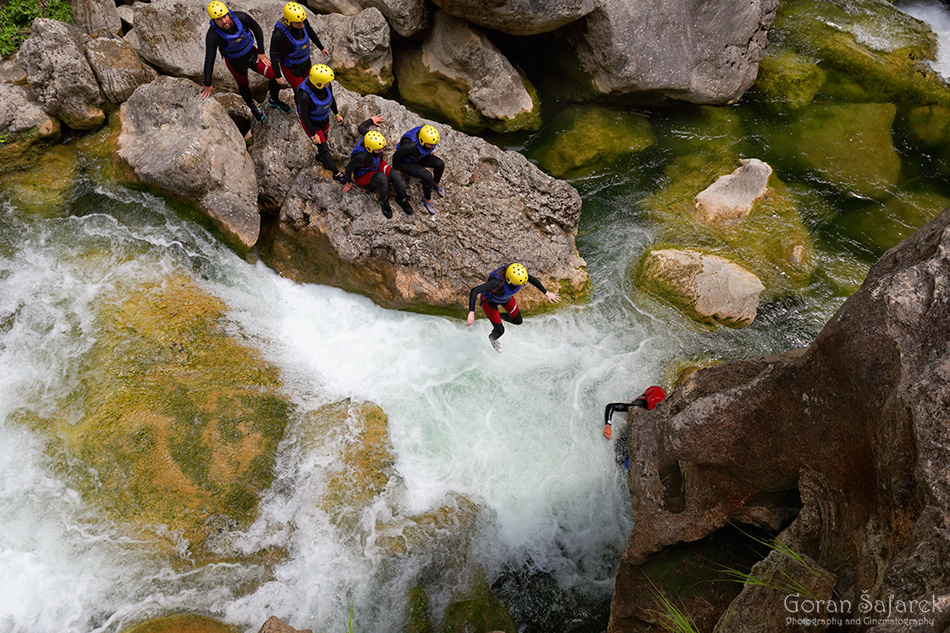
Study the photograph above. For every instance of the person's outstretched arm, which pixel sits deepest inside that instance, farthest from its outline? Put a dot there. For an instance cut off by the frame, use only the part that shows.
(552, 297)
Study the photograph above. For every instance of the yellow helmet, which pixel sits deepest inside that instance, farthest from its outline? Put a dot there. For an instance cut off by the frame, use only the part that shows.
(217, 9)
(293, 12)
(321, 75)
(374, 141)
(429, 135)
(516, 274)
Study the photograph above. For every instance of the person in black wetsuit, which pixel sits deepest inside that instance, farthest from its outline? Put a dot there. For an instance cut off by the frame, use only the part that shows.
(650, 398)
(315, 102)
(234, 34)
(290, 46)
(500, 289)
(368, 169)
(414, 154)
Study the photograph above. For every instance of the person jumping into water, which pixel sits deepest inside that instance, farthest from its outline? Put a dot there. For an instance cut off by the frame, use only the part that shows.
(500, 289)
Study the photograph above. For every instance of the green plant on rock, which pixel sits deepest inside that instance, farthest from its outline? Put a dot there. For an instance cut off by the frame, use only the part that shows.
(671, 617)
(778, 580)
(16, 17)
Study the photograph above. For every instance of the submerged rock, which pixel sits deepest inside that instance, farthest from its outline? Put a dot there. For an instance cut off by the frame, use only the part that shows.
(788, 81)
(846, 440)
(181, 421)
(498, 208)
(187, 147)
(593, 137)
(850, 146)
(182, 624)
(708, 288)
(457, 72)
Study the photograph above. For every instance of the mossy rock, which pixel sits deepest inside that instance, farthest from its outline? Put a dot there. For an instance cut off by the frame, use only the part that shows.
(438, 96)
(586, 139)
(417, 612)
(452, 524)
(478, 612)
(870, 51)
(849, 146)
(45, 187)
(893, 221)
(182, 624)
(771, 241)
(788, 81)
(871, 43)
(181, 420)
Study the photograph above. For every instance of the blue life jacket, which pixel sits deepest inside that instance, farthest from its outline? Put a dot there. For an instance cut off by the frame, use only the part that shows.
(503, 294)
(321, 107)
(239, 43)
(363, 170)
(301, 52)
(413, 135)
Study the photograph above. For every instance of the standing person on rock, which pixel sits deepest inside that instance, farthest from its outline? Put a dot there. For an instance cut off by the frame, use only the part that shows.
(368, 169)
(414, 154)
(500, 290)
(315, 102)
(290, 46)
(234, 35)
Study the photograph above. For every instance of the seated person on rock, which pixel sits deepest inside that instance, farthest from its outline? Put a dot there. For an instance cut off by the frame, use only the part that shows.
(290, 48)
(414, 154)
(368, 169)
(315, 102)
(234, 35)
(500, 289)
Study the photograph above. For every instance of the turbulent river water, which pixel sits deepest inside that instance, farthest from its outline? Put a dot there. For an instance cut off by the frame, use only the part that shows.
(519, 432)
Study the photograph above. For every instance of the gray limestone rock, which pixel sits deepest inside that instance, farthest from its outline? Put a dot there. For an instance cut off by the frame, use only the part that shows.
(458, 73)
(498, 208)
(702, 52)
(732, 196)
(519, 17)
(708, 288)
(188, 147)
(406, 17)
(23, 123)
(60, 76)
(117, 67)
(97, 17)
(360, 54)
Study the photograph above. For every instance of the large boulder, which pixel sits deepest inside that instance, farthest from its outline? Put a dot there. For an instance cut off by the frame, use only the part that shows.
(117, 67)
(456, 73)
(60, 76)
(24, 125)
(845, 442)
(359, 46)
(97, 17)
(702, 52)
(708, 288)
(498, 208)
(188, 147)
(521, 17)
(406, 17)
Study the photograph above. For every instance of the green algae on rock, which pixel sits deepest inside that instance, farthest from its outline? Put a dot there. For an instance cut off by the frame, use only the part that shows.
(479, 610)
(187, 623)
(848, 146)
(181, 419)
(788, 81)
(884, 225)
(868, 42)
(589, 138)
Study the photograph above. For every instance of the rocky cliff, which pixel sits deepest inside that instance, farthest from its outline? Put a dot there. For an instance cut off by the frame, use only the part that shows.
(840, 449)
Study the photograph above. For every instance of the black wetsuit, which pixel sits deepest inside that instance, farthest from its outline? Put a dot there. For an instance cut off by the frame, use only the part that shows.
(378, 181)
(239, 66)
(305, 106)
(491, 307)
(280, 47)
(408, 160)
